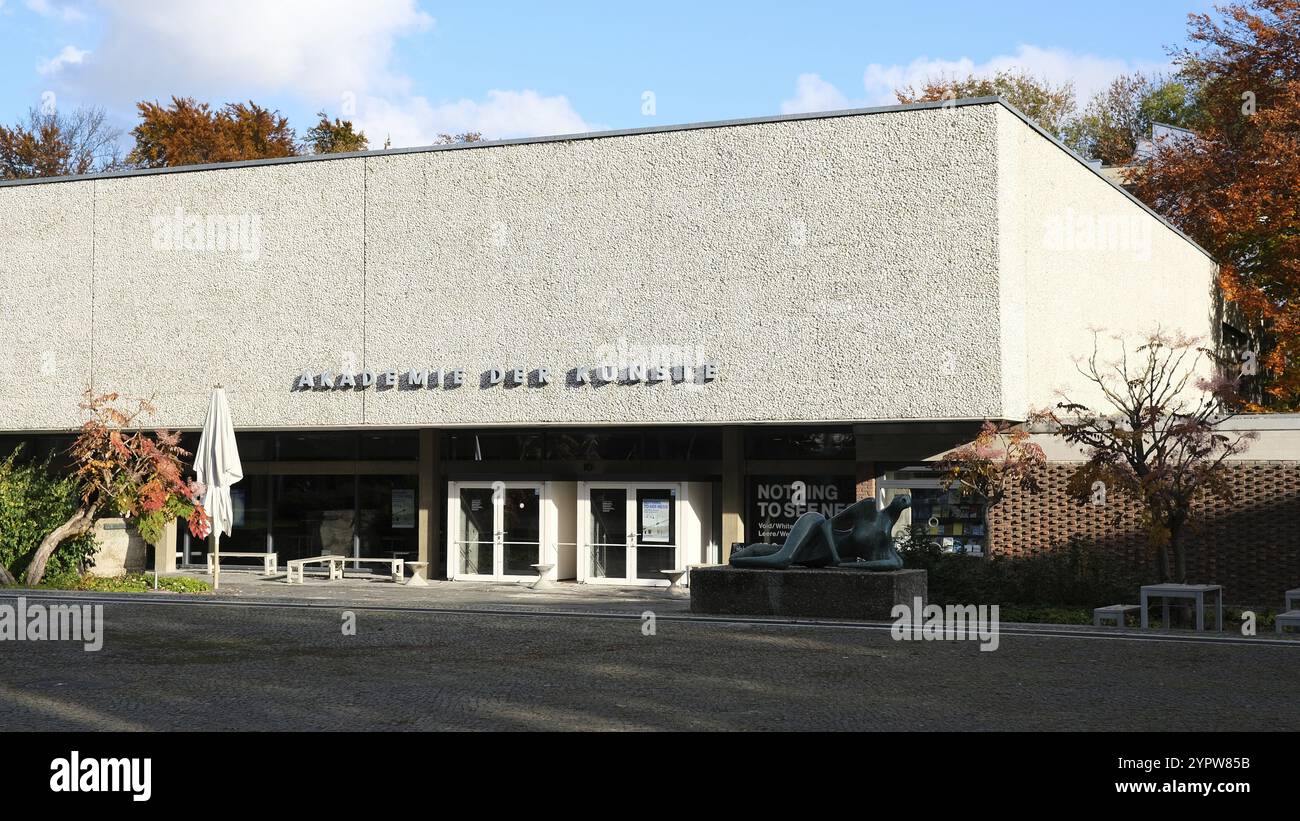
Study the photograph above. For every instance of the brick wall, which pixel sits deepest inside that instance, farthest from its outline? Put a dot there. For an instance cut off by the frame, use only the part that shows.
(1250, 546)
(866, 481)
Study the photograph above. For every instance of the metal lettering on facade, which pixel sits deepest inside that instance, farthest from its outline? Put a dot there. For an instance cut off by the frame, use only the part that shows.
(414, 379)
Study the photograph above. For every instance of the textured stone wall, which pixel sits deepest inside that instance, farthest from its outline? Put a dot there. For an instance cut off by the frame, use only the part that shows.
(864, 267)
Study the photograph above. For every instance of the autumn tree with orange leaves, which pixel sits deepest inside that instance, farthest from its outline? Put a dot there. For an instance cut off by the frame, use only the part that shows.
(123, 471)
(1044, 102)
(1002, 458)
(1235, 189)
(1156, 437)
(192, 133)
(56, 144)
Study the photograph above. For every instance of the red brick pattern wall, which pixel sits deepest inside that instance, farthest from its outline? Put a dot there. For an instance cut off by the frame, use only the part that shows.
(866, 481)
(1251, 546)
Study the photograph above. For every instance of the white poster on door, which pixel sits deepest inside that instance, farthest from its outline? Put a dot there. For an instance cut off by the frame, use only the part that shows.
(655, 519)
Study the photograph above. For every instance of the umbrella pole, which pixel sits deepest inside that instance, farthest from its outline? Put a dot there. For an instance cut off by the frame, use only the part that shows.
(216, 560)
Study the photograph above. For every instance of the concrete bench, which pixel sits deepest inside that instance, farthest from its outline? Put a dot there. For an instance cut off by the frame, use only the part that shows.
(295, 567)
(268, 560)
(394, 566)
(1113, 613)
(1290, 618)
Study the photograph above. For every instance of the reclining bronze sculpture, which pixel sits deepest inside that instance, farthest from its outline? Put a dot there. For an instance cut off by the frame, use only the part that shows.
(815, 541)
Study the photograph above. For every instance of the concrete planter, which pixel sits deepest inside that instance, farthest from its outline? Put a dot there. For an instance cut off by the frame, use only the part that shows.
(802, 592)
(121, 550)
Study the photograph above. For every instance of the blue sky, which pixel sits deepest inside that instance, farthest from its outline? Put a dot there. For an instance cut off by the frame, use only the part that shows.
(408, 69)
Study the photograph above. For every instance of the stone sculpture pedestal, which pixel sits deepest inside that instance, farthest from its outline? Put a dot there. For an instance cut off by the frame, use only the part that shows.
(822, 593)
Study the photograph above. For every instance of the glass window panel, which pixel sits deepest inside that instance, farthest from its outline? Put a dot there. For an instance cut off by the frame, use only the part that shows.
(386, 519)
(592, 445)
(651, 560)
(253, 447)
(776, 502)
(477, 517)
(390, 445)
(521, 531)
(314, 515)
(8, 444)
(39, 449)
(801, 443)
(956, 523)
(609, 532)
(316, 446)
(471, 446)
(572, 446)
(656, 532)
(577, 444)
(693, 443)
(250, 500)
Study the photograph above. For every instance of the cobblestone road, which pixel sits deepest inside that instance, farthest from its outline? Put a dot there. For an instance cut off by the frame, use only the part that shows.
(261, 667)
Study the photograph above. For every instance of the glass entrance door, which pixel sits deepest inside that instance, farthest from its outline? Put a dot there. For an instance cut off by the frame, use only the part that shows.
(609, 533)
(521, 532)
(474, 554)
(496, 532)
(632, 532)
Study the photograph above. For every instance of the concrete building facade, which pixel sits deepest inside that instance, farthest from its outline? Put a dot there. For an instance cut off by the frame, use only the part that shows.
(671, 327)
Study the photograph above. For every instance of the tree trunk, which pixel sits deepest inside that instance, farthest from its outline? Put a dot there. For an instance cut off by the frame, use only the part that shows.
(1179, 551)
(1162, 563)
(6, 577)
(80, 522)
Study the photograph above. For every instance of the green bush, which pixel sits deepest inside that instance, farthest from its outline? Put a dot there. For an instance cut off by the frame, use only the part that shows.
(34, 501)
(1072, 575)
(129, 583)
(140, 583)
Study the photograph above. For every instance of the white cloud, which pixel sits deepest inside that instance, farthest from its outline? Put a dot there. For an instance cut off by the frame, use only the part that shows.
(66, 13)
(812, 93)
(69, 56)
(316, 49)
(503, 114)
(321, 53)
(1089, 73)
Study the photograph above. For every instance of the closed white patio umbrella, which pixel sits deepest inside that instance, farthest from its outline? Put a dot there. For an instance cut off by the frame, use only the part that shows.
(217, 466)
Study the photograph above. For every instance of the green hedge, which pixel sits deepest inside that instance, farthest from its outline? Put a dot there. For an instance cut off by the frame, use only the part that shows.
(1072, 574)
(129, 583)
(34, 501)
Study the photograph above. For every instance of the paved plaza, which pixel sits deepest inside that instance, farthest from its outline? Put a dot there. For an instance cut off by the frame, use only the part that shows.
(461, 657)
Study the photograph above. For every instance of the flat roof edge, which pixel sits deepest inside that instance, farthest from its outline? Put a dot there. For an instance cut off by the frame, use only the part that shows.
(555, 138)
